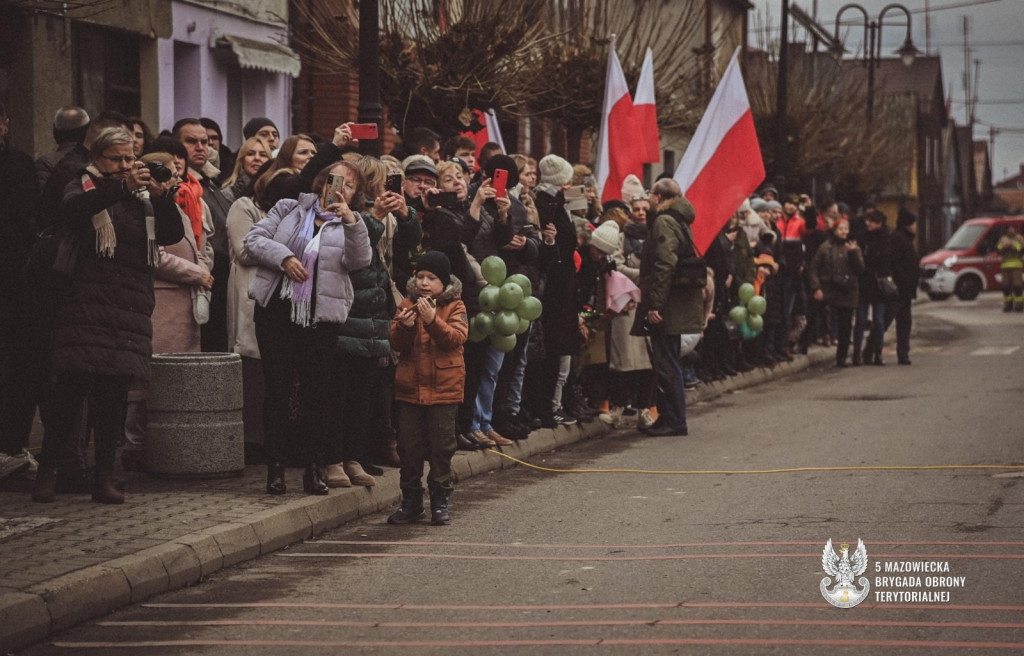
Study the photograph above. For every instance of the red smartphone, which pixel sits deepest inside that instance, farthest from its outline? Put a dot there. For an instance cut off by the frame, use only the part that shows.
(500, 183)
(364, 130)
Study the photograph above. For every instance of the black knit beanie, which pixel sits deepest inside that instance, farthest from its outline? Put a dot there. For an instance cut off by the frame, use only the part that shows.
(436, 263)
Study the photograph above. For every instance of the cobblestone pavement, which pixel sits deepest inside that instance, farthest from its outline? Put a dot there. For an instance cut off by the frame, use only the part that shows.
(73, 560)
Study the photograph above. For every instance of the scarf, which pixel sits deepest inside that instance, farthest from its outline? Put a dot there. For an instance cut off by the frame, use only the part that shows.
(190, 194)
(103, 225)
(307, 248)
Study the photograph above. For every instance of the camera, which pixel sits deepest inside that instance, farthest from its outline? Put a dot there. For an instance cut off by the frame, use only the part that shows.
(159, 172)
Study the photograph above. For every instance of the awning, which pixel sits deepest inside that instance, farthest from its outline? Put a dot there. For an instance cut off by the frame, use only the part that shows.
(262, 55)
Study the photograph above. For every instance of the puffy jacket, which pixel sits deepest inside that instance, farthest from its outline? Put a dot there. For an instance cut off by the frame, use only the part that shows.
(103, 323)
(343, 248)
(681, 305)
(431, 370)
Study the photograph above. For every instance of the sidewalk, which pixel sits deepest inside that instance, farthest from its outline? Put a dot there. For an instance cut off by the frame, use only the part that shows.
(74, 560)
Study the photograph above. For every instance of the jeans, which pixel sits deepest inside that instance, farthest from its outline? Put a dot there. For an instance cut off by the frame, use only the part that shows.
(668, 367)
(877, 327)
(485, 394)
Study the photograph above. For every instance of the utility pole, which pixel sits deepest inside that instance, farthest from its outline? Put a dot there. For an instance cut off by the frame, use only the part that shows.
(369, 73)
(781, 141)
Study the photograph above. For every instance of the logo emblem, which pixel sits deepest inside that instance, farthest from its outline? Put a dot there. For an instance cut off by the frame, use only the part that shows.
(844, 569)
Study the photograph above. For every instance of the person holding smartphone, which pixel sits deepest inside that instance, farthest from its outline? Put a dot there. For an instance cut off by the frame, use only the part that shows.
(305, 249)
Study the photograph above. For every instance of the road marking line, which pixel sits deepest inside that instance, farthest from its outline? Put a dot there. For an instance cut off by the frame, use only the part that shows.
(679, 545)
(995, 350)
(429, 556)
(556, 623)
(596, 642)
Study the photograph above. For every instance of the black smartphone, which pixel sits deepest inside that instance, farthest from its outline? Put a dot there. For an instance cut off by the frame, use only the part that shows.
(446, 199)
(528, 230)
(393, 183)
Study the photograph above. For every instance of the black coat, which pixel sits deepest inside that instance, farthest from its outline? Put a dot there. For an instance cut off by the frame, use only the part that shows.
(103, 323)
(905, 269)
(561, 312)
(877, 263)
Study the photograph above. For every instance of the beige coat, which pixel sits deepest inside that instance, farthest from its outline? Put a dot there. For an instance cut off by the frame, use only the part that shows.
(627, 352)
(180, 269)
(241, 329)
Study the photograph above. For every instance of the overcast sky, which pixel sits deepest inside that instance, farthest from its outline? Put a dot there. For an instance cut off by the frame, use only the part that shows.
(995, 38)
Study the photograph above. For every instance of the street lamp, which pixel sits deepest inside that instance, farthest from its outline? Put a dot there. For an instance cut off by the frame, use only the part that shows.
(873, 45)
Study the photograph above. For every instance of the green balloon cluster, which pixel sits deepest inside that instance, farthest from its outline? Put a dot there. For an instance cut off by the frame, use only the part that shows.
(747, 315)
(507, 306)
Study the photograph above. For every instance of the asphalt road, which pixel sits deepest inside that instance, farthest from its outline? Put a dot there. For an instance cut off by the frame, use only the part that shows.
(572, 563)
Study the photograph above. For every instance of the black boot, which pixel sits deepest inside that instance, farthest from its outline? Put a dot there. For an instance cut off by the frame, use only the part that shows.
(313, 481)
(410, 511)
(275, 478)
(439, 508)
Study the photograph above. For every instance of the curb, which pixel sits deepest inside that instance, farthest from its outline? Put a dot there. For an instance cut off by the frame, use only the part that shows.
(32, 615)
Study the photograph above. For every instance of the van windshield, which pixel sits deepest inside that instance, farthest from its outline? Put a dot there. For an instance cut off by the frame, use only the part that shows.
(965, 237)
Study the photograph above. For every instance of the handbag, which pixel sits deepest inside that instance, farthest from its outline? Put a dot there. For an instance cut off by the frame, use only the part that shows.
(691, 272)
(888, 287)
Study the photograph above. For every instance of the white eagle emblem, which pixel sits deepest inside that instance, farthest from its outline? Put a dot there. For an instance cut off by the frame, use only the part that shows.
(844, 594)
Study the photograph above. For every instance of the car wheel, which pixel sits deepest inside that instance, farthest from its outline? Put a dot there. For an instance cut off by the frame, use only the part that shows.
(936, 296)
(968, 288)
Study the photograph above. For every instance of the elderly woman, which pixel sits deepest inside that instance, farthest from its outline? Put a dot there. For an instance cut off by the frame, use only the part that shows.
(116, 214)
(833, 272)
(305, 249)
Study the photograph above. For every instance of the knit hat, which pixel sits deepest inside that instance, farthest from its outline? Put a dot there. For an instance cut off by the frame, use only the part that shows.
(905, 217)
(766, 259)
(791, 197)
(254, 124)
(606, 237)
(759, 205)
(843, 208)
(554, 170)
(745, 207)
(436, 263)
(768, 188)
(502, 161)
(774, 205)
(631, 188)
(419, 163)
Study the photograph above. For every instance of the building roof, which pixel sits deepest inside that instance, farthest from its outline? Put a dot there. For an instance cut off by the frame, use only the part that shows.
(1012, 182)
(922, 78)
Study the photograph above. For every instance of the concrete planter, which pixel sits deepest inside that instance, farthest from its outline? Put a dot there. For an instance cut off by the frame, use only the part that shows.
(195, 427)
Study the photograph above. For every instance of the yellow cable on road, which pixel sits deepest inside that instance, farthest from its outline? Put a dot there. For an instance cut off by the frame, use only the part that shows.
(786, 470)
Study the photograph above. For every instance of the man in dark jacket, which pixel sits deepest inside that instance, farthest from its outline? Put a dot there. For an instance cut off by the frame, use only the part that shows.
(671, 299)
(905, 272)
(877, 264)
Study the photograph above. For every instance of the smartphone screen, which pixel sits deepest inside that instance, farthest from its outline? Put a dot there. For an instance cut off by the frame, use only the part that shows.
(500, 183)
(364, 130)
(334, 183)
(394, 183)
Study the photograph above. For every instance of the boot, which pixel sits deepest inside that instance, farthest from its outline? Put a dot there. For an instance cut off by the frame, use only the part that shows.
(45, 488)
(439, 508)
(313, 481)
(389, 454)
(104, 491)
(275, 478)
(356, 475)
(410, 511)
(857, 361)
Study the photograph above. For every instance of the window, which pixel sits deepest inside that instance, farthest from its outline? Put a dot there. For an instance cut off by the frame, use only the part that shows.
(105, 70)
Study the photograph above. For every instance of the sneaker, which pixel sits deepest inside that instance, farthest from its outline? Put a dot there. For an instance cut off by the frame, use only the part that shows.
(335, 476)
(564, 418)
(693, 383)
(612, 417)
(645, 420)
(12, 464)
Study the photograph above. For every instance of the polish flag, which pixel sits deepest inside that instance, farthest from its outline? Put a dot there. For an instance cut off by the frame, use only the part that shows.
(619, 152)
(489, 132)
(722, 165)
(644, 111)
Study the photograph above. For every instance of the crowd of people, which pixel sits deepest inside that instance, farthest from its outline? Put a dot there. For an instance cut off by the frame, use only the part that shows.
(347, 284)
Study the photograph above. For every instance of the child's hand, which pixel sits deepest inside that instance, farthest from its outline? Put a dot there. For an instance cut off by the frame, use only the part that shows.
(407, 317)
(426, 309)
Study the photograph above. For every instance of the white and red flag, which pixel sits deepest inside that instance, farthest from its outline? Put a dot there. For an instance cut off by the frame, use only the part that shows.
(489, 132)
(722, 165)
(645, 112)
(619, 152)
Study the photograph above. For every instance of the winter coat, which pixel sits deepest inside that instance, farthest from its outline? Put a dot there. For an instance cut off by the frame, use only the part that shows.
(242, 216)
(835, 270)
(103, 323)
(218, 205)
(560, 317)
(176, 277)
(365, 333)
(877, 250)
(343, 248)
(905, 264)
(431, 370)
(679, 303)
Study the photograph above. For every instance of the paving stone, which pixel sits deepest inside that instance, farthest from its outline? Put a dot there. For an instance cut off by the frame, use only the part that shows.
(179, 561)
(145, 573)
(278, 528)
(237, 542)
(24, 619)
(206, 550)
(82, 595)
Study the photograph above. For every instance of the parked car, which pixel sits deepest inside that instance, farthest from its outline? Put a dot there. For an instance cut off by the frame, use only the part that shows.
(968, 264)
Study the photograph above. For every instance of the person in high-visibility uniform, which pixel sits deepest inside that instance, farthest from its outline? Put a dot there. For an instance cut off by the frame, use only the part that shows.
(1010, 249)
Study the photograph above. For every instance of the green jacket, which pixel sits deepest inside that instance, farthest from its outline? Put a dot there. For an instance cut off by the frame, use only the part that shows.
(680, 303)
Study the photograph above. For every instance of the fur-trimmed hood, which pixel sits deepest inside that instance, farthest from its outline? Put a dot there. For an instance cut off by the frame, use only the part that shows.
(452, 292)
